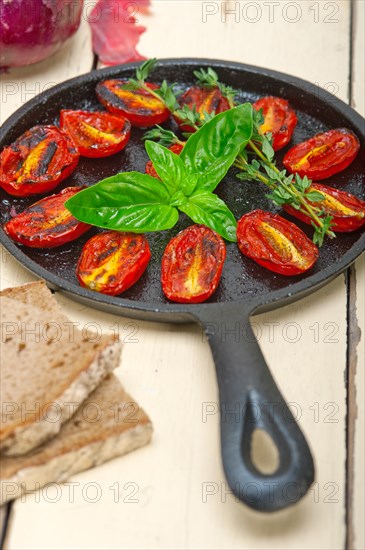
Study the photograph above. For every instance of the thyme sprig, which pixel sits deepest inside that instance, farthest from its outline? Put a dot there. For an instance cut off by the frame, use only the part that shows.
(285, 189)
(142, 73)
(209, 79)
(188, 116)
(163, 136)
(164, 93)
(145, 69)
(167, 94)
(256, 163)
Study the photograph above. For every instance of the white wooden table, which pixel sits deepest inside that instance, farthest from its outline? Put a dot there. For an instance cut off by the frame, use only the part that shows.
(154, 498)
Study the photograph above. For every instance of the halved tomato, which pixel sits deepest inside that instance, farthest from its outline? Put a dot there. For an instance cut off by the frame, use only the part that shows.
(279, 119)
(139, 106)
(150, 169)
(112, 262)
(275, 243)
(96, 134)
(323, 155)
(47, 223)
(347, 211)
(205, 100)
(37, 161)
(192, 265)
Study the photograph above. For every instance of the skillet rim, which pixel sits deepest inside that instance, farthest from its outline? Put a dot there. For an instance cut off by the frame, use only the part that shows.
(186, 312)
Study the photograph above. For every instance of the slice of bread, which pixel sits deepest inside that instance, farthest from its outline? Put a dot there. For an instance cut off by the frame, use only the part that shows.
(108, 424)
(48, 367)
(36, 294)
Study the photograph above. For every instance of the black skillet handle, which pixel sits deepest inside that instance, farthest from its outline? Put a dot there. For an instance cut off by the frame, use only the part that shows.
(250, 399)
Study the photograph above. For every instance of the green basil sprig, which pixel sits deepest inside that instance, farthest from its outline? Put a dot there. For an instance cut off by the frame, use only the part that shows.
(140, 203)
(129, 201)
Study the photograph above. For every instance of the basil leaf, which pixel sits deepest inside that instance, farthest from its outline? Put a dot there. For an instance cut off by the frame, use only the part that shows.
(129, 187)
(210, 210)
(178, 198)
(213, 148)
(167, 164)
(189, 184)
(125, 202)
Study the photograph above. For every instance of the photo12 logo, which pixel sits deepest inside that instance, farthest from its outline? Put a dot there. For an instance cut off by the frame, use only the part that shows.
(71, 492)
(271, 12)
(24, 91)
(253, 492)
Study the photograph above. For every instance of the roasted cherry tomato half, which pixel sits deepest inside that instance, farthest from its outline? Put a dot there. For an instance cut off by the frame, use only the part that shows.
(205, 100)
(112, 262)
(279, 119)
(37, 161)
(150, 169)
(347, 211)
(275, 243)
(96, 134)
(192, 265)
(323, 155)
(139, 106)
(47, 223)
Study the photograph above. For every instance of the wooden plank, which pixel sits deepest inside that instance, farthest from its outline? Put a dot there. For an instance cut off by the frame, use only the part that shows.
(3, 523)
(182, 497)
(356, 410)
(170, 371)
(16, 88)
(359, 460)
(358, 55)
(304, 39)
(356, 377)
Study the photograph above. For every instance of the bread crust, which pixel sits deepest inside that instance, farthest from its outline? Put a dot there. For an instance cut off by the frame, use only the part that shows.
(22, 433)
(27, 436)
(81, 444)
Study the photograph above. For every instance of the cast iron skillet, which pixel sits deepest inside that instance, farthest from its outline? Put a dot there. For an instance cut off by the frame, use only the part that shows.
(246, 386)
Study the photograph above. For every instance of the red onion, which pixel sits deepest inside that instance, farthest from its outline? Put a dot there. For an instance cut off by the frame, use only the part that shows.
(31, 30)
